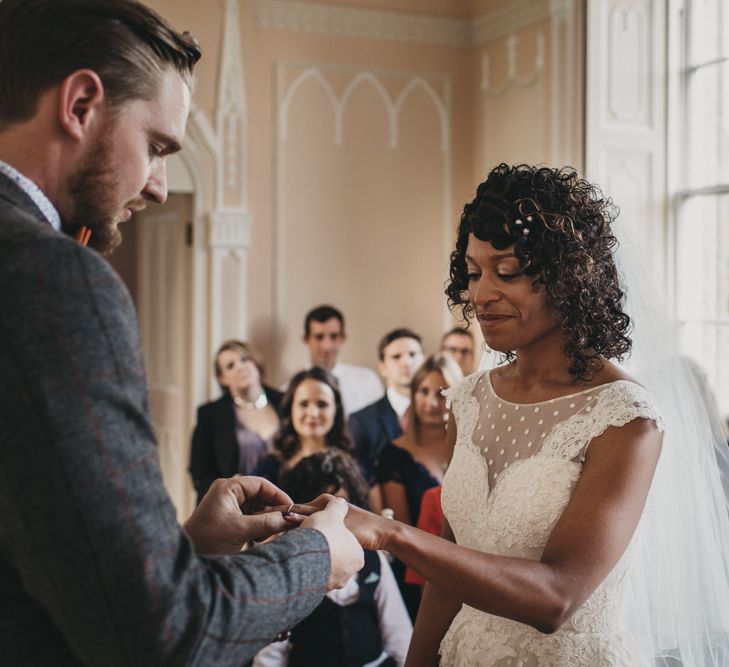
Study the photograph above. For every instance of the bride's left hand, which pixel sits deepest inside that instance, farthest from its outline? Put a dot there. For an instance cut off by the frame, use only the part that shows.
(369, 529)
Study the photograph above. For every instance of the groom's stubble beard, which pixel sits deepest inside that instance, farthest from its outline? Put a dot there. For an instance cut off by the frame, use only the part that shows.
(94, 190)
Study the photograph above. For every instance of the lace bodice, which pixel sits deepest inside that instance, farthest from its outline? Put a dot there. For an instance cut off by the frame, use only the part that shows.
(513, 472)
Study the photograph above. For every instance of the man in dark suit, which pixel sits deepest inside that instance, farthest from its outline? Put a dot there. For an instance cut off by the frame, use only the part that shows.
(94, 568)
(401, 353)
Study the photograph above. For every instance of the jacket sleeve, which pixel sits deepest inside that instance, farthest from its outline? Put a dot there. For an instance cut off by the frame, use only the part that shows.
(85, 519)
(362, 445)
(358, 431)
(203, 468)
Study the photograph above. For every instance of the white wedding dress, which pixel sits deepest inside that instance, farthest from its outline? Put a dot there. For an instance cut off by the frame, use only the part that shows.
(514, 469)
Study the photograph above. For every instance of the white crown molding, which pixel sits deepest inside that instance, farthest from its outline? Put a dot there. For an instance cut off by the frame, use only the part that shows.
(400, 26)
(366, 23)
(518, 15)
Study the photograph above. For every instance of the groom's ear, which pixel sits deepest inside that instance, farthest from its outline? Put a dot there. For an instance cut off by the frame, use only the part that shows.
(81, 103)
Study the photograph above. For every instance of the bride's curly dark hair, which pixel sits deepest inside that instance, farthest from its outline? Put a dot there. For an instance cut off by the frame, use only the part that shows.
(559, 225)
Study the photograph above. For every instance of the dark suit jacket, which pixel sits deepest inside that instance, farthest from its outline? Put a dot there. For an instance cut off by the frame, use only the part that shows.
(214, 451)
(372, 428)
(94, 568)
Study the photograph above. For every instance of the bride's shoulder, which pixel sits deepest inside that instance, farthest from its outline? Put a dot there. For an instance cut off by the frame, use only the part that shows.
(609, 374)
(466, 386)
(620, 388)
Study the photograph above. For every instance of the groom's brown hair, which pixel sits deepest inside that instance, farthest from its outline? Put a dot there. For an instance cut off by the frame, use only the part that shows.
(126, 43)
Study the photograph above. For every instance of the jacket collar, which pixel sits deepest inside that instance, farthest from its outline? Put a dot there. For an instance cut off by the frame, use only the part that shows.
(13, 193)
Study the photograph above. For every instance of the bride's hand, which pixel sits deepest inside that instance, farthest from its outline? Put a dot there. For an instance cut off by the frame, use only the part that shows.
(369, 529)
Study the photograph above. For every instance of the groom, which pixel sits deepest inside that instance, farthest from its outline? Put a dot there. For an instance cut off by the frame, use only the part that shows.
(94, 568)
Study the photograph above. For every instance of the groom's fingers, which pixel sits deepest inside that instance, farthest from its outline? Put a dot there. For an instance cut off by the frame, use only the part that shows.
(256, 490)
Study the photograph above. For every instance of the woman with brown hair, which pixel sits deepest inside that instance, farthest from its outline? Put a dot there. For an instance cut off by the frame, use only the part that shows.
(417, 460)
(232, 433)
(312, 420)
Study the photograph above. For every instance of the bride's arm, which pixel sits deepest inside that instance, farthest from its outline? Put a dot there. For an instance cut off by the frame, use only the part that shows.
(585, 544)
(436, 612)
(437, 607)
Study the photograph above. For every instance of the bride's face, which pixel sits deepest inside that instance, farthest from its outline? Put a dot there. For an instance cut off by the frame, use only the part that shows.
(512, 313)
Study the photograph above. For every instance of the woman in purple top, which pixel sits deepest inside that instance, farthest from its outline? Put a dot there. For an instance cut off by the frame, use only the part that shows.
(232, 434)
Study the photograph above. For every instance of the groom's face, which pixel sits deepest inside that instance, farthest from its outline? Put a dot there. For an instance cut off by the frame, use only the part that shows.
(125, 168)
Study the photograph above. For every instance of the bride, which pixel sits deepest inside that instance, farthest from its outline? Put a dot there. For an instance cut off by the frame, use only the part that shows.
(554, 455)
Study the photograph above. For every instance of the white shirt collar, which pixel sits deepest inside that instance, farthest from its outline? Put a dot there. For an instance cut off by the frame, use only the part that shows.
(35, 193)
(399, 403)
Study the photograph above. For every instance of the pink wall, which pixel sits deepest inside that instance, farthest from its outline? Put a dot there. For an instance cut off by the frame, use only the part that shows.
(380, 249)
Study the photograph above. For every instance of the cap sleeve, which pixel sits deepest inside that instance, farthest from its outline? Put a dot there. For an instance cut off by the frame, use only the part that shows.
(464, 389)
(616, 405)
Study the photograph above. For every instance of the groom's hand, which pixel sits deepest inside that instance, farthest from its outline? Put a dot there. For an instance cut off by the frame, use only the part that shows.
(346, 554)
(234, 511)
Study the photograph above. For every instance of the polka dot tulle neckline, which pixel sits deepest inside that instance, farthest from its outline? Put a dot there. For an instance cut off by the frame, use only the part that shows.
(508, 433)
(487, 376)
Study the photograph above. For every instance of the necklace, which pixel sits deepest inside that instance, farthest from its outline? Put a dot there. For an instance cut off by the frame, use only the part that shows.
(260, 403)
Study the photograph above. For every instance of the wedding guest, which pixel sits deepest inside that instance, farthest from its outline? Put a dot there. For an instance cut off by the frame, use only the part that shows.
(429, 520)
(364, 623)
(400, 353)
(312, 420)
(417, 460)
(458, 342)
(324, 335)
(232, 433)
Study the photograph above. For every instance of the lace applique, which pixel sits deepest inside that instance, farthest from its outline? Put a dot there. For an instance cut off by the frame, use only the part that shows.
(467, 466)
(616, 405)
(515, 515)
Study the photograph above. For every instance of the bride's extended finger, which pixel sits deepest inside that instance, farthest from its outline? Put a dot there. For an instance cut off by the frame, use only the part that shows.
(321, 501)
(305, 509)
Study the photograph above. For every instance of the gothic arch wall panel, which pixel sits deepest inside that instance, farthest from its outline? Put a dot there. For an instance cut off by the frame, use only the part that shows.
(366, 229)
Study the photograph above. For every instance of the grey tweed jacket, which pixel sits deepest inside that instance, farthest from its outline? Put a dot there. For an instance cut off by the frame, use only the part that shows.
(94, 568)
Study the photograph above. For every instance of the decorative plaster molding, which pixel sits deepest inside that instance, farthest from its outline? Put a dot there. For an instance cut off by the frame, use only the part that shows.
(518, 15)
(230, 113)
(199, 125)
(366, 23)
(512, 78)
(316, 71)
(557, 7)
(230, 229)
(400, 26)
(365, 77)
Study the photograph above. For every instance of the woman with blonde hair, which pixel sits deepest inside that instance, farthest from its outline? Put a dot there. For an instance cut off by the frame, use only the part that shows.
(232, 433)
(417, 460)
